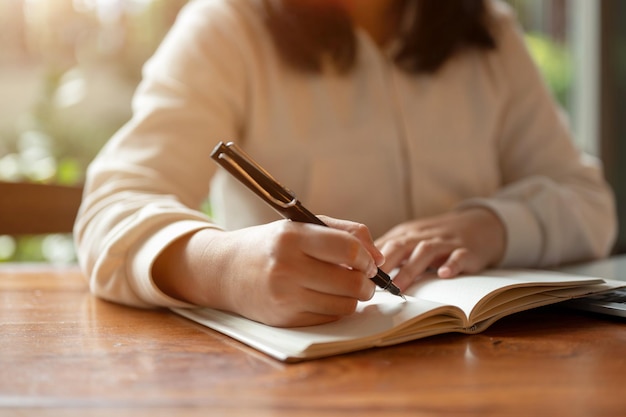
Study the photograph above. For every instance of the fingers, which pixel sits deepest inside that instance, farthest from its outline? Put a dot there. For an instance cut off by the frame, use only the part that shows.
(296, 274)
(338, 248)
(321, 259)
(447, 257)
(345, 268)
(320, 293)
(424, 255)
(337, 281)
(361, 232)
(460, 260)
(317, 306)
(459, 241)
(305, 308)
(302, 306)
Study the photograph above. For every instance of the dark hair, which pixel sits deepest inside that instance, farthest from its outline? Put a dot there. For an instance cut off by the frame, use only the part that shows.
(306, 31)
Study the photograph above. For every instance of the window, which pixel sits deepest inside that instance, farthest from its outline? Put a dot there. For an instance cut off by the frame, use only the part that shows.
(68, 69)
(563, 37)
(67, 72)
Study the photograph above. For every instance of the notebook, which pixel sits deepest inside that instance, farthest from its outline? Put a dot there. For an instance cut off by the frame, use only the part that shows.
(613, 302)
(466, 304)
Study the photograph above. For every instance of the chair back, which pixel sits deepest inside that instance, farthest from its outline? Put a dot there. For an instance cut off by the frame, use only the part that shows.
(30, 209)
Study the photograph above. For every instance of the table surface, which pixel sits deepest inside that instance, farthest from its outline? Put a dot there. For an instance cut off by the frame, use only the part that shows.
(63, 352)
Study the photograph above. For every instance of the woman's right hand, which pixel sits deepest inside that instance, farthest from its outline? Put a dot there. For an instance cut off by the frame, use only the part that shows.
(282, 273)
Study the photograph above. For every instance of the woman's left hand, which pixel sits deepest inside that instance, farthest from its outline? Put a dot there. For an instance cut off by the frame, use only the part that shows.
(461, 241)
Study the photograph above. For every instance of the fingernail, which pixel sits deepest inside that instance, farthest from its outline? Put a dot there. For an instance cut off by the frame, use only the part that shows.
(372, 270)
(444, 272)
(369, 289)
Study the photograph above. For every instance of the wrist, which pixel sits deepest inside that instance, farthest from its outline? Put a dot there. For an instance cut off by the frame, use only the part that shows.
(490, 235)
(188, 268)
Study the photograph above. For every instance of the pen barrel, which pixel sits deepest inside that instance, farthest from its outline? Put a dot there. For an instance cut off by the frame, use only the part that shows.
(281, 199)
(384, 281)
(380, 280)
(299, 213)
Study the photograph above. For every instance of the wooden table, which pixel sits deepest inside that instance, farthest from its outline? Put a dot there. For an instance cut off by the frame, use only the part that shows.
(64, 352)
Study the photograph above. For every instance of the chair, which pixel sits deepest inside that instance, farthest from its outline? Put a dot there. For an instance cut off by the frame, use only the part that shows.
(30, 209)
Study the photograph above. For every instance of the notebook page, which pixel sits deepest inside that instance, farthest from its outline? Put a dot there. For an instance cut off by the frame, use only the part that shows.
(467, 291)
(372, 319)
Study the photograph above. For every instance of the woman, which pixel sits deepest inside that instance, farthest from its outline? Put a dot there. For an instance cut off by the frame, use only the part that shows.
(426, 121)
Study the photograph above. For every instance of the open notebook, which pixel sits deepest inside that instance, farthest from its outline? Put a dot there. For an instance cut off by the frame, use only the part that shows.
(611, 303)
(467, 304)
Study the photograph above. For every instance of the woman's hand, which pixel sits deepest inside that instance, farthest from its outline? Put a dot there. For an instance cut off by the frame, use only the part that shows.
(283, 273)
(462, 241)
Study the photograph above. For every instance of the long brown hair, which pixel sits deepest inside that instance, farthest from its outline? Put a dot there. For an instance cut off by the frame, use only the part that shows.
(306, 31)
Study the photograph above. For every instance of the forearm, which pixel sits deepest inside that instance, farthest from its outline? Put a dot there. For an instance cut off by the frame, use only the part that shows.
(549, 223)
(192, 268)
(282, 273)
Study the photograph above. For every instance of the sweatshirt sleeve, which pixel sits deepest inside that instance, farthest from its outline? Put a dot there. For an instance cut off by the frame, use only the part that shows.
(146, 186)
(555, 203)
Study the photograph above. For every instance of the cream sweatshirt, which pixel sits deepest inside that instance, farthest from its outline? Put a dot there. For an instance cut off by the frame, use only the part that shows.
(378, 146)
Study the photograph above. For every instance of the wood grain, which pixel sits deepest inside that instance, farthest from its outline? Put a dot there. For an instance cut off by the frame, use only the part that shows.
(64, 352)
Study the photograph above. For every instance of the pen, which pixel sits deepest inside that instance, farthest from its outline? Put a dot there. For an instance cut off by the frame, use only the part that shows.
(284, 201)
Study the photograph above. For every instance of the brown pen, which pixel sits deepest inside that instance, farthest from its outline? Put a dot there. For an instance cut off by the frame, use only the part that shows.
(284, 201)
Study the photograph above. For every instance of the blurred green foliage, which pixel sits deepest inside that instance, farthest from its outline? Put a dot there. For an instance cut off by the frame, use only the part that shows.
(555, 63)
(54, 142)
(84, 60)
